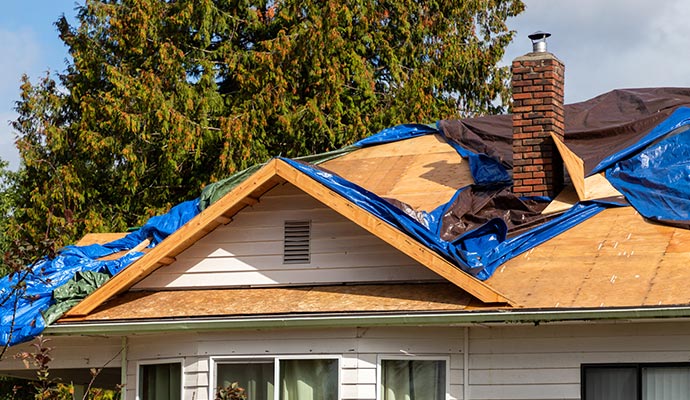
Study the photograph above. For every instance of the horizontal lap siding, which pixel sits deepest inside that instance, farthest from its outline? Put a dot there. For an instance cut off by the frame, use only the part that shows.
(249, 251)
(357, 348)
(543, 362)
(70, 352)
(511, 362)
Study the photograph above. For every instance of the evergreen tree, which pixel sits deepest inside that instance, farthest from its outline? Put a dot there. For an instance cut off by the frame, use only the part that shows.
(163, 97)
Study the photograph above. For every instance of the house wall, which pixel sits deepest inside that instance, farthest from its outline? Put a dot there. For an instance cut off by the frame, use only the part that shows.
(69, 352)
(513, 362)
(249, 251)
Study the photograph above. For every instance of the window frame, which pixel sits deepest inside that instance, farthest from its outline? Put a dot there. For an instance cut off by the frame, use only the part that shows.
(141, 363)
(215, 360)
(638, 372)
(424, 357)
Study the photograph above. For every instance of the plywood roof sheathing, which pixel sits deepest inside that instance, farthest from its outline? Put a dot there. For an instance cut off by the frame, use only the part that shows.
(575, 166)
(273, 173)
(590, 188)
(564, 201)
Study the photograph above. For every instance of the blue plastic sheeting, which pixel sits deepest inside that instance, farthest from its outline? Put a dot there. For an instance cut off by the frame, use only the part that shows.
(485, 170)
(679, 118)
(20, 312)
(657, 180)
(396, 133)
(478, 252)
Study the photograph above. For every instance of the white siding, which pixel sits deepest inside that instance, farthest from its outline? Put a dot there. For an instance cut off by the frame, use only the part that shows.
(71, 352)
(249, 251)
(543, 362)
(507, 362)
(356, 348)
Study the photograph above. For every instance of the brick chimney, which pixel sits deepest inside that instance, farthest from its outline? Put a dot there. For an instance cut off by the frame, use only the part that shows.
(537, 84)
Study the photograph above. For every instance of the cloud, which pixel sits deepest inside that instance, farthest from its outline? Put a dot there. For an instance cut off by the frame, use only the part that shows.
(610, 44)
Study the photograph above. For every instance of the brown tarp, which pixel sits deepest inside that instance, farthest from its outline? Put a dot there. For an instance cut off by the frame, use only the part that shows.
(594, 129)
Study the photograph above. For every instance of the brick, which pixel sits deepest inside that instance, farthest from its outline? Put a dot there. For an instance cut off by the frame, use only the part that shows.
(522, 149)
(520, 96)
(521, 108)
(522, 175)
(520, 136)
(534, 141)
(522, 122)
(518, 68)
(522, 82)
(534, 168)
(533, 128)
(520, 162)
(522, 189)
(533, 102)
(546, 95)
(546, 107)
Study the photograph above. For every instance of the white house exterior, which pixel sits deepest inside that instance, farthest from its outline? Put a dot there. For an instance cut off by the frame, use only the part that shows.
(297, 292)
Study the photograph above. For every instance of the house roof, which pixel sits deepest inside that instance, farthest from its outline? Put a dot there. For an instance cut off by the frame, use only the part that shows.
(614, 259)
(367, 298)
(248, 193)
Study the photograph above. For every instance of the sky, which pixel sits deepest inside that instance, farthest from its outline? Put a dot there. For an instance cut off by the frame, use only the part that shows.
(605, 44)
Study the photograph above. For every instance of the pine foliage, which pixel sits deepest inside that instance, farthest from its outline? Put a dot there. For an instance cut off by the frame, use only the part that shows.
(162, 97)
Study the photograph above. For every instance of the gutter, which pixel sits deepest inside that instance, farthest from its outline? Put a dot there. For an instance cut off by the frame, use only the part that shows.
(350, 320)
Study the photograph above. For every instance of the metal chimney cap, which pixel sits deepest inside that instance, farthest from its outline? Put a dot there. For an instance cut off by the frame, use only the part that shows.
(538, 39)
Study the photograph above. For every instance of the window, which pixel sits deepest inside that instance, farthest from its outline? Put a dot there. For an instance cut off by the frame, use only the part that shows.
(413, 379)
(298, 378)
(636, 382)
(256, 378)
(160, 381)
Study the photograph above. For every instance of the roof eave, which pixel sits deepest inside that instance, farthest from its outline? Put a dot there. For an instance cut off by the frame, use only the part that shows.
(501, 316)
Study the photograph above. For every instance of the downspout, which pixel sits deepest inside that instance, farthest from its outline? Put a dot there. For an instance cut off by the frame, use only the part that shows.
(123, 363)
(466, 364)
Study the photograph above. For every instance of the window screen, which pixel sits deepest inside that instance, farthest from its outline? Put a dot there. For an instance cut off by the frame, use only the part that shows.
(256, 378)
(636, 382)
(309, 379)
(298, 379)
(160, 381)
(413, 380)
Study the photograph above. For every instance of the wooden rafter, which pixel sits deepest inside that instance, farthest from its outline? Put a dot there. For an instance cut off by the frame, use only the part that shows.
(257, 184)
(273, 173)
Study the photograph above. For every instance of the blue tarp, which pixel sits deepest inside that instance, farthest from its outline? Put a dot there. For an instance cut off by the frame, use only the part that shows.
(656, 181)
(654, 175)
(20, 312)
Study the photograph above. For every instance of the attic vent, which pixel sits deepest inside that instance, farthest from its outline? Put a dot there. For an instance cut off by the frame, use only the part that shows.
(296, 242)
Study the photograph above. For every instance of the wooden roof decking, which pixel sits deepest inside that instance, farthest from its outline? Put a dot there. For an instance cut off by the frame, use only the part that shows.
(293, 300)
(100, 238)
(247, 193)
(614, 259)
(424, 172)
